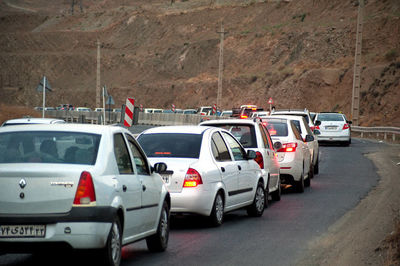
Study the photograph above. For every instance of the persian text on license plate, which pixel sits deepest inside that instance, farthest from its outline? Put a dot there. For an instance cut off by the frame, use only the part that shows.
(22, 231)
(331, 128)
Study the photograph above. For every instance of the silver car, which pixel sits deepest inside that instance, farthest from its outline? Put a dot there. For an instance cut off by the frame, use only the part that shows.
(79, 186)
(210, 173)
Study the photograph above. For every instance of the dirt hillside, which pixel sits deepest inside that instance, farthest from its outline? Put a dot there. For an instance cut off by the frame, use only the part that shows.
(163, 52)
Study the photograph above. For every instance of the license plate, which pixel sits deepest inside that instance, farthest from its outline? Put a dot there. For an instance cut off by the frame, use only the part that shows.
(331, 128)
(166, 178)
(22, 231)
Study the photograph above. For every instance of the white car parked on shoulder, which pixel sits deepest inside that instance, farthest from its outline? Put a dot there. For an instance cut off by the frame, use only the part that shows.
(293, 153)
(79, 186)
(210, 173)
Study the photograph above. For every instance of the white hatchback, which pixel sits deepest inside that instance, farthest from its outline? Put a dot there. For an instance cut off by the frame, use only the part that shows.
(209, 172)
(254, 136)
(294, 155)
(79, 186)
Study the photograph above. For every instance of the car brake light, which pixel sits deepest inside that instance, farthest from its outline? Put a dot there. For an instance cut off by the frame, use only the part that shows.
(259, 159)
(345, 126)
(85, 192)
(192, 178)
(317, 127)
(312, 128)
(288, 147)
(243, 116)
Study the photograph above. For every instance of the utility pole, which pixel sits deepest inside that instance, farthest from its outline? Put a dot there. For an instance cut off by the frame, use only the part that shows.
(98, 75)
(355, 103)
(221, 64)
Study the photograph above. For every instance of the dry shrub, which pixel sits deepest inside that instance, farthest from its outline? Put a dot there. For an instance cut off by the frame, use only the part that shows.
(393, 252)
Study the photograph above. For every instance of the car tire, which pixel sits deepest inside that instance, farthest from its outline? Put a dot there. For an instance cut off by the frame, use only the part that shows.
(276, 195)
(299, 185)
(159, 241)
(217, 212)
(307, 182)
(316, 167)
(111, 254)
(311, 172)
(256, 209)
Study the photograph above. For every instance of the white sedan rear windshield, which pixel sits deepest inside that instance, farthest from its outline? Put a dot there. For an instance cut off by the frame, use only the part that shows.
(330, 117)
(49, 147)
(179, 145)
(277, 128)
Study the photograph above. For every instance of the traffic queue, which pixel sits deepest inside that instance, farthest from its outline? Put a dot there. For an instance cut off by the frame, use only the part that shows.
(99, 187)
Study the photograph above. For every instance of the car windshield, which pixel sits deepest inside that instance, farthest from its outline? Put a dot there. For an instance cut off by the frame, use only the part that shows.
(49, 147)
(178, 145)
(245, 134)
(277, 128)
(330, 117)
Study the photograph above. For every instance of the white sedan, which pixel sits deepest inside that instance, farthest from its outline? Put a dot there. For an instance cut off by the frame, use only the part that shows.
(79, 186)
(294, 155)
(334, 127)
(210, 173)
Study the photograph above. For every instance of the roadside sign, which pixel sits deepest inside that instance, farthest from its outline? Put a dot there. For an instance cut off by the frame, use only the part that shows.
(129, 107)
(110, 100)
(270, 101)
(173, 107)
(141, 107)
(214, 109)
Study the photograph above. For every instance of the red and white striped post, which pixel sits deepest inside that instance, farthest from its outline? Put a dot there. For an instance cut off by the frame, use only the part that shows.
(141, 107)
(129, 107)
(214, 109)
(173, 107)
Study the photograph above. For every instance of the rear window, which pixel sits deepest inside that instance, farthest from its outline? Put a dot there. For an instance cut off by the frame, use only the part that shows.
(277, 128)
(177, 145)
(245, 134)
(49, 147)
(330, 117)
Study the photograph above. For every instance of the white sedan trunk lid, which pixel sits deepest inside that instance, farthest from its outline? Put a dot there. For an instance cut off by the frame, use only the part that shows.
(37, 188)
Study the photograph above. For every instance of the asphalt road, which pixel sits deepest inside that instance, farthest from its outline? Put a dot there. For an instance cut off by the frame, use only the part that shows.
(279, 237)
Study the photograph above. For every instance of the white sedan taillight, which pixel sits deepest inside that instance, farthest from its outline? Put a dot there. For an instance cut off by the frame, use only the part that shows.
(85, 193)
(192, 178)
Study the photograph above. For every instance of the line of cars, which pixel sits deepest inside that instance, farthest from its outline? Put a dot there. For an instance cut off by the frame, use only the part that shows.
(105, 188)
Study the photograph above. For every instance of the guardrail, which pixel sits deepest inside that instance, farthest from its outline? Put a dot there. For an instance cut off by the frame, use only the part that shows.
(156, 119)
(385, 131)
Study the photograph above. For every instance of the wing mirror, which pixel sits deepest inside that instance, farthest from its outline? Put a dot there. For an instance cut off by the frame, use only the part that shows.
(317, 132)
(309, 138)
(159, 168)
(317, 123)
(350, 122)
(251, 155)
(277, 145)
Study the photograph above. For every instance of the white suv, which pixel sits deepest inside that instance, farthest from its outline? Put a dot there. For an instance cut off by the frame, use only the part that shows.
(253, 135)
(79, 186)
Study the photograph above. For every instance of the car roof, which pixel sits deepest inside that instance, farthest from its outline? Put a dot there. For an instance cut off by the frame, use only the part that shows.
(33, 120)
(177, 129)
(88, 128)
(229, 121)
(280, 118)
(288, 117)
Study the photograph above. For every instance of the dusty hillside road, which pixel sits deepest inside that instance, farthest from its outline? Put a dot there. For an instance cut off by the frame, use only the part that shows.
(358, 238)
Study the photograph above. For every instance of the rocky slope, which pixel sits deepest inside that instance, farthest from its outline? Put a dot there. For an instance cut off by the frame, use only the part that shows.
(163, 52)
